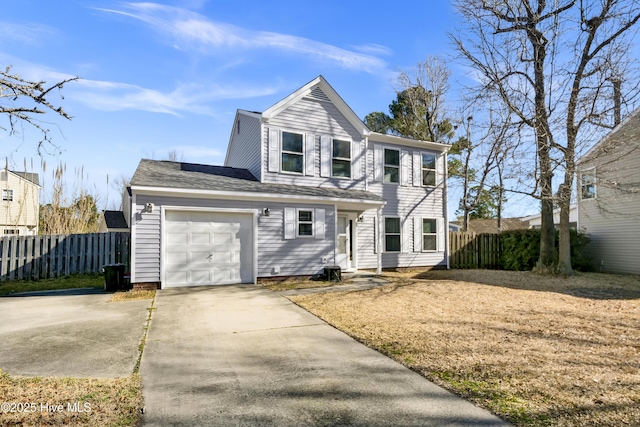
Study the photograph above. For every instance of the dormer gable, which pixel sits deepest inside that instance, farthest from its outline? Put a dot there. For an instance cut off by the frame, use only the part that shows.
(320, 90)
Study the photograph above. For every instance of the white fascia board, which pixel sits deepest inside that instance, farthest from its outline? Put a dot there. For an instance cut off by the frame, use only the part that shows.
(376, 137)
(335, 98)
(271, 197)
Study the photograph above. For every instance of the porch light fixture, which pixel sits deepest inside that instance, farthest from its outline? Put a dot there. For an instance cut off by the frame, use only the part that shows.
(267, 212)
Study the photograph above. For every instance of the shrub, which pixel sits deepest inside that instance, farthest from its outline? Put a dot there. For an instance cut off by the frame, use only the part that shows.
(521, 250)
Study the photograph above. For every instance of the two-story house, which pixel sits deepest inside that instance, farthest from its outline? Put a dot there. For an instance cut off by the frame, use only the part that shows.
(305, 185)
(609, 198)
(20, 203)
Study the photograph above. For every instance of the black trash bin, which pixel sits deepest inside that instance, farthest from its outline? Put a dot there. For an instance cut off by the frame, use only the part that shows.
(114, 277)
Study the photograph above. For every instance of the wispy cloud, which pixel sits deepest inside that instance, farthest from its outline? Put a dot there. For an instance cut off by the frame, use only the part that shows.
(28, 34)
(193, 31)
(191, 98)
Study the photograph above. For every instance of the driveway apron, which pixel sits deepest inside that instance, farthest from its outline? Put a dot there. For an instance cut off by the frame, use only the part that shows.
(244, 356)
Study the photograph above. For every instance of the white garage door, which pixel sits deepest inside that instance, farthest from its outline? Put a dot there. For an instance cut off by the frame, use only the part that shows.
(207, 248)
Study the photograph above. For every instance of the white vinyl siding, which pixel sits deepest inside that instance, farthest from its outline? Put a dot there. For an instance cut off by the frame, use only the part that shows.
(322, 119)
(244, 149)
(289, 257)
(611, 218)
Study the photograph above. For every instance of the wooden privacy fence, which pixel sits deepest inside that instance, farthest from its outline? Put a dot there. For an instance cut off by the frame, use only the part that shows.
(43, 257)
(471, 250)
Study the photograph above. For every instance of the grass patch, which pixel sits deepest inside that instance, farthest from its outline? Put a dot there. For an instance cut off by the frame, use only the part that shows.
(105, 402)
(66, 282)
(535, 350)
(134, 294)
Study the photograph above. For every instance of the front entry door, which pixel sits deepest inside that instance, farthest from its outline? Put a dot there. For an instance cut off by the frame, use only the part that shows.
(343, 257)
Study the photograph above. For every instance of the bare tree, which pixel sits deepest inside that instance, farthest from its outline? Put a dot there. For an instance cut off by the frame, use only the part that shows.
(480, 161)
(418, 111)
(22, 101)
(552, 63)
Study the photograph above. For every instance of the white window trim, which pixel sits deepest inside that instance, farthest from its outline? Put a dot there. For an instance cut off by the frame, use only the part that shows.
(312, 222)
(350, 159)
(384, 234)
(283, 151)
(590, 171)
(435, 233)
(399, 166)
(7, 195)
(422, 169)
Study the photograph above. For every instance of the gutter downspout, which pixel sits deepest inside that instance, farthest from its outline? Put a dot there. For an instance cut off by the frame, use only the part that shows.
(445, 196)
(378, 239)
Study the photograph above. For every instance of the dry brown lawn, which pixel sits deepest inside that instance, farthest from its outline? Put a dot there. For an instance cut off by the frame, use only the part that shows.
(133, 294)
(70, 401)
(535, 350)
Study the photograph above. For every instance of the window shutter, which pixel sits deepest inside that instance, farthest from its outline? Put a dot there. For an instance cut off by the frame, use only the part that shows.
(404, 167)
(274, 150)
(319, 224)
(325, 156)
(356, 155)
(440, 168)
(405, 235)
(440, 238)
(417, 169)
(310, 154)
(289, 223)
(417, 234)
(377, 162)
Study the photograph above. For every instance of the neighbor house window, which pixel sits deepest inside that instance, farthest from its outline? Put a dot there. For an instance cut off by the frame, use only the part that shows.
(588, 184)
(11, 231)
(391, 165)
(341, 160)
(429, 234)
(7, 195)
(292, 152)
(428, 169)
(305, 223)
(392, 234)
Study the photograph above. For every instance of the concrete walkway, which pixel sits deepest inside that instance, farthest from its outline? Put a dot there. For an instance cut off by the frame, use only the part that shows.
(245, 356)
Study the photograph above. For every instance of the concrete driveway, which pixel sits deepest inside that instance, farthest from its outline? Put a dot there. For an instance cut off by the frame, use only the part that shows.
(70, 333)
(245, 356)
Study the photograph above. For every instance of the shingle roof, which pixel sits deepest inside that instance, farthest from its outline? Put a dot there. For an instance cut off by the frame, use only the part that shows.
(33, 177)
(155, 173)
(114, 219)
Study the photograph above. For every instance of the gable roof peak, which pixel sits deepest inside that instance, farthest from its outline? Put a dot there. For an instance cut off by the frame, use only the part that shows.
(318, 89)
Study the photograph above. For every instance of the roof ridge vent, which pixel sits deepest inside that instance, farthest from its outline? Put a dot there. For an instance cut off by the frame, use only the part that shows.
(317, 94)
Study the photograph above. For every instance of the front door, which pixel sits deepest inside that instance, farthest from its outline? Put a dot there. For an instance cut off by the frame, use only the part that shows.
(343, 257)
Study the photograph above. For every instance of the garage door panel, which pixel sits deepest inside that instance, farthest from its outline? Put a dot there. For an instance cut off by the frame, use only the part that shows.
(208, 248)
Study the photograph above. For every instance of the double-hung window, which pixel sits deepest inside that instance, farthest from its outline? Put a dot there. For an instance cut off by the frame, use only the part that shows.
(588, 184)
(428, 169)
(392, 237)
(305, 223)
(292, 152)
(7, 195)
(341, 159)
(391, 165)
(429, 234)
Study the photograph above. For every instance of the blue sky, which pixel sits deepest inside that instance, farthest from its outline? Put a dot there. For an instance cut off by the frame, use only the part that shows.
(169, 75)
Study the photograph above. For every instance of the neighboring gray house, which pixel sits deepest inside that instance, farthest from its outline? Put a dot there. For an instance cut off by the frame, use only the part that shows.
(535, 221)
(305, 185)
(609, 198)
